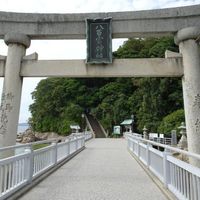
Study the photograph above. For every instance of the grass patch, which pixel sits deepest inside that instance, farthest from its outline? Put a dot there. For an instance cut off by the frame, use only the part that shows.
(39, 146)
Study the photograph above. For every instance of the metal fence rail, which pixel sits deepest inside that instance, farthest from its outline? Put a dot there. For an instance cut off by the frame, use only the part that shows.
(19, 170)
(161, 140)
(167, 141)
(181, 178)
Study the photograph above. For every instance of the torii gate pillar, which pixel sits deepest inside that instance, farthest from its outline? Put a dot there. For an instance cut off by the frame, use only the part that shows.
(11, 95)
(188, 40)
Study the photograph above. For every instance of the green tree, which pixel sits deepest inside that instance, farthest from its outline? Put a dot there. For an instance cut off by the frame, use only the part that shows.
(59, 102)
(55, 104)
(172, 122)
(152, 98)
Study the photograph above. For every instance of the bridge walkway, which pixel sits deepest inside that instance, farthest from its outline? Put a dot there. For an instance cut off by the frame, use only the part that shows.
(103, 171)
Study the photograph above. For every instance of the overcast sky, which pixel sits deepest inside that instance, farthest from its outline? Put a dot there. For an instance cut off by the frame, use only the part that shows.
(75, 49)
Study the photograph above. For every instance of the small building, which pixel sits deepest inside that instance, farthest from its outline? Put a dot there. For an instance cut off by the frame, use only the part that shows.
(116, 130)
(127, 125)
(75, 128)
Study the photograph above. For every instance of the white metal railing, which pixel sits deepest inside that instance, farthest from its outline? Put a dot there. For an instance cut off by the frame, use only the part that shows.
(165, 140)
(181, 178)
(43, 159)
(19, 170)
(86, 134)
(161, 140)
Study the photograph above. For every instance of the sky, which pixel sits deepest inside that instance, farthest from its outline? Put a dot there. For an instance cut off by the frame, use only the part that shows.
(71, 49)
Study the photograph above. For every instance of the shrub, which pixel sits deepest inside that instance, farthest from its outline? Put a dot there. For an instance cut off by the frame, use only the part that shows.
(172, 122)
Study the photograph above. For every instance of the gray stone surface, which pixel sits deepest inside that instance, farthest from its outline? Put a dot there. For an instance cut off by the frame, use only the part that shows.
(125, 24)
(103, 171)
(12, 87)
(190, 49)
(152, 67)
(187, 33)
(17, 38)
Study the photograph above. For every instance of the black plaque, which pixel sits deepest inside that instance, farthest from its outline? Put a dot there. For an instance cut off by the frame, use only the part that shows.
(99, 40)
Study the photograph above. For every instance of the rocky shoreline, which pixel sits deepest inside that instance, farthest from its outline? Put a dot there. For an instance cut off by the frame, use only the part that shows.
(31, 136)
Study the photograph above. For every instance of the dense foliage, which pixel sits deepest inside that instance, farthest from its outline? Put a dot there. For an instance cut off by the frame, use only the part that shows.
(59, 102)
(172, 121)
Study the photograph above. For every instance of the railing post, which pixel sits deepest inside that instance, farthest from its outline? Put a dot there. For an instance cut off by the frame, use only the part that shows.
(30, 167)
(166, 169)
(55, 153)
(76, 142)
(69, 145)
(83, 142)
(138, 149)
(128, 143)
(132, 144)
(147, 155)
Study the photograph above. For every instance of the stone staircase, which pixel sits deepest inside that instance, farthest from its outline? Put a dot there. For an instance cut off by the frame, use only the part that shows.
(96, 127)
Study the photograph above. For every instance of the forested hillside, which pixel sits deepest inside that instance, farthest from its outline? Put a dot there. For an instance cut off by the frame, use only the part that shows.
(59, 102)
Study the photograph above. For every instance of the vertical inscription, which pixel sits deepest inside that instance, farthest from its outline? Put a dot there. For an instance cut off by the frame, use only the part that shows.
(197, 101)
(197, 124)
(196, 106)
(5, 109)
(99, 41)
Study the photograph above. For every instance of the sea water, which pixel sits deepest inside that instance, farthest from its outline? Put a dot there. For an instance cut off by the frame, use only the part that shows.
(22, 127)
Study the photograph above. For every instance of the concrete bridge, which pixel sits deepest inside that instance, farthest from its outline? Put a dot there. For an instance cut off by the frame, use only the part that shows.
(18, 29)
(104, 170)
(124, 168)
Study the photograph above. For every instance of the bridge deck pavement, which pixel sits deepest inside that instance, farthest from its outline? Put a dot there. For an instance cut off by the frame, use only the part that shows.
(103, 171)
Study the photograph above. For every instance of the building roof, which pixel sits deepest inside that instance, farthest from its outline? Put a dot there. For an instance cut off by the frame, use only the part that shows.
(75, 127)
(127, 122)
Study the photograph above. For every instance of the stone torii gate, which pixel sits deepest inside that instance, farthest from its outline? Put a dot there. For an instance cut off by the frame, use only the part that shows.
(18, 29)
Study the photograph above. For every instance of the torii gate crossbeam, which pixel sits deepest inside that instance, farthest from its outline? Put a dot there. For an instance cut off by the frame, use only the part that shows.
(152, 67)
(147, 23)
